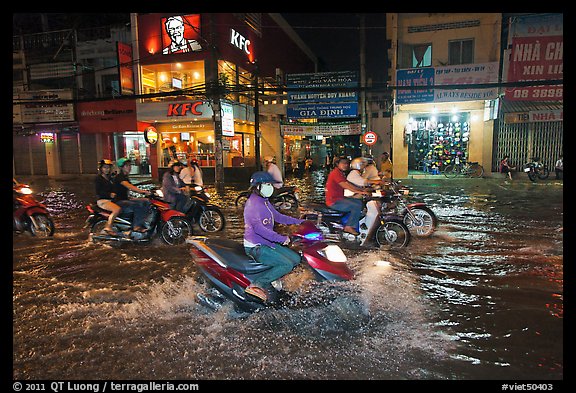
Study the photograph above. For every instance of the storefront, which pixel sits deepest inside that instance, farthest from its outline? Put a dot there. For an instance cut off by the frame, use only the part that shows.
(432, 127)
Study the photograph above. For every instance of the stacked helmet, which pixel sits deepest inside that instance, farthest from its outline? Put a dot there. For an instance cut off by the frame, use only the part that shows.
(358, 163)
(261, 177)
(174, 162)
(122, 161)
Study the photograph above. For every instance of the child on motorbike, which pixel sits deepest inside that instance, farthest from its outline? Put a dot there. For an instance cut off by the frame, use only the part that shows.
(261, 242)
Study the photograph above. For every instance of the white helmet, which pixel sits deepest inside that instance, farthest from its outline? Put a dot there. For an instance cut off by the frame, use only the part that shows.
(358, 163)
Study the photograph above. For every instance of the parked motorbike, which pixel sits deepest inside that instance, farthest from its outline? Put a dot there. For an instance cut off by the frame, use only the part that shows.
(418, 217)
(171, 225)
(285, 199)
(228, 270)
(30, 215)
(536, 169)
(199, 210)
(389, 229)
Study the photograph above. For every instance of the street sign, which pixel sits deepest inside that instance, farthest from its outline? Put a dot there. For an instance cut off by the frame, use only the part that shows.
(370, 138)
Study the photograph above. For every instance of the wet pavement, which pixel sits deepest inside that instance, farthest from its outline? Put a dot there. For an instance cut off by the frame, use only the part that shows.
(480, 299)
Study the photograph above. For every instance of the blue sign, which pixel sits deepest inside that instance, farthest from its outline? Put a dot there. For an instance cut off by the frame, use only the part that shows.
(322, 111)
(301, 97)
(414, 77)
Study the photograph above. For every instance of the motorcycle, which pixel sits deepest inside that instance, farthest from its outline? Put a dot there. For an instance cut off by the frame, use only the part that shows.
(285, 199)
(388, 229)
(229, 271)
(418, 217)
(30, 215)
(199, 210)
(536, 169)
(171, 225)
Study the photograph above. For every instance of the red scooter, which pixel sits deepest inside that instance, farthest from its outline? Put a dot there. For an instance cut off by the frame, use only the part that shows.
(29, 214)
(169, 224)
(224, 263)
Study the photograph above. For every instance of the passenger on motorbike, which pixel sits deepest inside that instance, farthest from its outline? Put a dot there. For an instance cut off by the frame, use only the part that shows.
(335, 198)
(173, 188)
(357, 177)
(105, 194)
(122, 184)
(261, 242)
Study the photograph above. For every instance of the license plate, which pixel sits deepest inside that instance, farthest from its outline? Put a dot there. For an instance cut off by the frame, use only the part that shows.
(526, 169)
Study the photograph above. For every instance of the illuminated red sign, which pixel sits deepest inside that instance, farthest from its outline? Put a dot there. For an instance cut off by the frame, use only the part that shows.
(183, 109)
(181, 34)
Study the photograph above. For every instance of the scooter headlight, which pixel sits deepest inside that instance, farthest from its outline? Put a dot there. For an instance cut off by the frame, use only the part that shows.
(333, 253)
(25, 190)
(198, 188)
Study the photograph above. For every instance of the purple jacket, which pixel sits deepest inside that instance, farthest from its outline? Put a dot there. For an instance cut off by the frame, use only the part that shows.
(259, 218)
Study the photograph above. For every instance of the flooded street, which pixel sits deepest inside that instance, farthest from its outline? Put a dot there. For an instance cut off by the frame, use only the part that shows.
(480, 299)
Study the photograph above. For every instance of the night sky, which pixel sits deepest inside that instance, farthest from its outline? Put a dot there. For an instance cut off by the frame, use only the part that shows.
(335, 39)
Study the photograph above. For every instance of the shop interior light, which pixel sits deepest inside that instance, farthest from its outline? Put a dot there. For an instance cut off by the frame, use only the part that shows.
(455, 118)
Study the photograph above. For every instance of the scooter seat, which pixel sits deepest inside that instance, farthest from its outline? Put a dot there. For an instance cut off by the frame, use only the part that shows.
(326, 210)
(233, 255)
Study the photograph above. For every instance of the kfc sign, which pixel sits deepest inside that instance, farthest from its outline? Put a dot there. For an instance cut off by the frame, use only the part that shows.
(183, 109)
(239, 41)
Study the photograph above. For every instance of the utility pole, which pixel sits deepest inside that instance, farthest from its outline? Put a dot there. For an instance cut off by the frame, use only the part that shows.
(364, 117)
(256, 117)
(214, 92)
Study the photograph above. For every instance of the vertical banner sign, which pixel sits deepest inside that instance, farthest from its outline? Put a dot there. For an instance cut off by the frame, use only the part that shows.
(125, 69)
(227, 119)
(537, 54)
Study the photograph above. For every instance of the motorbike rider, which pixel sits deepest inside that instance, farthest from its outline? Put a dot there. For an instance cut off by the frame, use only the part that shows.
(261, 242)
(335, 198)
(197, 175)
(272, 168)
(370, 171)
(122, 184)
(173, 187)
(105, 194)
(358, 177)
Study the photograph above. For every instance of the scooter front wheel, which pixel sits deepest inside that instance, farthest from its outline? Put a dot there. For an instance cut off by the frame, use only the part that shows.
(394, 234)
(42, 225)
(422, 222)
(211, 220)
(175, 231)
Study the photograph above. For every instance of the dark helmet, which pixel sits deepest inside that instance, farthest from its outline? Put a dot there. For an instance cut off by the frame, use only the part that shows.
(175, 162)
(261, 177)
(103, 162)
(122, 161)
(194, 162)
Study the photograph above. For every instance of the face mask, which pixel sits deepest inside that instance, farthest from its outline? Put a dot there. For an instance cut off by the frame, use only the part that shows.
(266, 190)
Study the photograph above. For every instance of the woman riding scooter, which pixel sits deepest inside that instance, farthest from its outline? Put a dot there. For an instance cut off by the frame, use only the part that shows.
(261, 242)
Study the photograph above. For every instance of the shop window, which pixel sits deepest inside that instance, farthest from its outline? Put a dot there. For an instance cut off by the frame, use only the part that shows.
(435, 141)
(162, 78)
(415, 56)
(461, 52)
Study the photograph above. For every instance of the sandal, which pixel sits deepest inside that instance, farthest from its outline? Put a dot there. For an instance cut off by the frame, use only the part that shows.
(109, 231)
(256, 292)
(351, 231)
(139, 229)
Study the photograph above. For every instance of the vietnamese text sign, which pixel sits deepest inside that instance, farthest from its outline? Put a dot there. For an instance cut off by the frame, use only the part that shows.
(321, 129)
(537, 54)
(227, 119)
(414, 77)
(307, 97)
(323, 79)
(322, 111)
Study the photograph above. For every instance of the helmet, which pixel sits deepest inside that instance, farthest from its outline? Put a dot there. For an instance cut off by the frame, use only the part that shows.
(105, 161)
(194, 162)
(369, 160)
(261, 177)
(268, 158)
(358, 163)
(174, 162)
(122, 161)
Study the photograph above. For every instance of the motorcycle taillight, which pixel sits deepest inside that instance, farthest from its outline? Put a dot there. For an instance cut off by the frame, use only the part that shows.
(89, 208)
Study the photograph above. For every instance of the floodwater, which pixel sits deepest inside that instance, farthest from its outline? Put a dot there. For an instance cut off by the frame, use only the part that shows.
(480, 299)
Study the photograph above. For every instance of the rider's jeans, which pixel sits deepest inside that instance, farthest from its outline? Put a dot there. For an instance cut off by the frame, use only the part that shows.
(352, 206)
(139, 207)
(281, 260)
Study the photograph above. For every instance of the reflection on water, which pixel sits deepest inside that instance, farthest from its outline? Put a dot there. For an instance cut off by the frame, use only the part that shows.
(480, 299)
